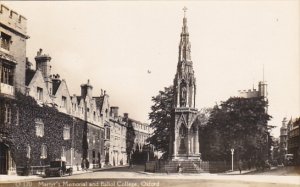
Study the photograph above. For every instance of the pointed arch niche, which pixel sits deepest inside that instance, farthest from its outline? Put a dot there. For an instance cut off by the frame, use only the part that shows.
(194, 139)
(182, 137)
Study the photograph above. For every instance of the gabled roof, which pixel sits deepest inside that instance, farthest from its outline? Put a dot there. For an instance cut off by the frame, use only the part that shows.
(78, 99)
(29, 75)
(99, 102)
(55, 86)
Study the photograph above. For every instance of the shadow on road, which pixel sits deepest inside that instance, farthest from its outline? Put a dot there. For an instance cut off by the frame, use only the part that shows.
(135, 168)
(280, 171)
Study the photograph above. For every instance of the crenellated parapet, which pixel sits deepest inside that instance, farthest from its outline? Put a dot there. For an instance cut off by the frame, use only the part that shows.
(13, 20)
(248, 93)
(260, 92)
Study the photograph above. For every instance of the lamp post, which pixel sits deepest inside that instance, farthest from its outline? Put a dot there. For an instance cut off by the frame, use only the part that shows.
(232, 153)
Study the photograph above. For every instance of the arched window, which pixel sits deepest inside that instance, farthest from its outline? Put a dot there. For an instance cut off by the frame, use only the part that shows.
(43, 151)
(66, 132)
(39, 126)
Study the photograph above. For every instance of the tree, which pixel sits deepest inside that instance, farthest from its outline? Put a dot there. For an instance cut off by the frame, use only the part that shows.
(160, 117)
(239, 123)
(130, 136)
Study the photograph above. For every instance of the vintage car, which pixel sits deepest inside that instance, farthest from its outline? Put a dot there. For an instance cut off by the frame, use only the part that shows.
(58, 168)
(288, 159)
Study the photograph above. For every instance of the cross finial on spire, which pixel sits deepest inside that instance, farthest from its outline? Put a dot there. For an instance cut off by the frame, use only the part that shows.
(184, 10)
(263, 72)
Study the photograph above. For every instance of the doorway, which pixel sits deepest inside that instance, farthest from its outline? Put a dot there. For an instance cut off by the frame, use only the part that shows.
(3, 158)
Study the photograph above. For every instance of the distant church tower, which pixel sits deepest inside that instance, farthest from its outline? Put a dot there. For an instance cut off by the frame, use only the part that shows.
(184, 139)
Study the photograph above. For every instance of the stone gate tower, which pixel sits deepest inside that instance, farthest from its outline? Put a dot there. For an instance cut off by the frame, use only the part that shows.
(184, 139)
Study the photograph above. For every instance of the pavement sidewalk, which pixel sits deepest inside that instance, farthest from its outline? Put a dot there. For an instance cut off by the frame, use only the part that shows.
(237, 172)
(12, 178)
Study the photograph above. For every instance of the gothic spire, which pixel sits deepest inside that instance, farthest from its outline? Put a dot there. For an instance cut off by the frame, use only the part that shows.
(184, 45)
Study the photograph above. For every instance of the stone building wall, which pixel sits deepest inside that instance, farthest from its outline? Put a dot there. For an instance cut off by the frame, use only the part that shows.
(15, 25)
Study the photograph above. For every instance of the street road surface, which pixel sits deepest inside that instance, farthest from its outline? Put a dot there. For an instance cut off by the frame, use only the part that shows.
(280, 171)
(125, 177)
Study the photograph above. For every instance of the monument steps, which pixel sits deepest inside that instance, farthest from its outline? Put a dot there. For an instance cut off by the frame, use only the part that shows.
(187, 166)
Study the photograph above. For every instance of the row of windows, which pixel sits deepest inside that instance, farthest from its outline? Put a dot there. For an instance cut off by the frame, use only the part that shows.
(93, 139)
(44, 151)
(141, 137)
(294, 133)
(40, 129)
(66, 132)
(141, 126)
(80, 111)
(40, 97)
(39, 126)
(118, 142)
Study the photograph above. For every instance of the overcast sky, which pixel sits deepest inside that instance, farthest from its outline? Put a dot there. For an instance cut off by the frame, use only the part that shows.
(114, 44)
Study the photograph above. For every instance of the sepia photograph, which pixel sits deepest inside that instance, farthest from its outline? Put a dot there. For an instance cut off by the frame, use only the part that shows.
(150, 93)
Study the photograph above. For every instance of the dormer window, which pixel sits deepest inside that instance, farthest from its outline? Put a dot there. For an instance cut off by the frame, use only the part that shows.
(5, 41)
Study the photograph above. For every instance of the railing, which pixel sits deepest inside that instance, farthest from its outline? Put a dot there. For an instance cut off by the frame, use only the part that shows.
(7, 89)
(32, 170)
(188, 166)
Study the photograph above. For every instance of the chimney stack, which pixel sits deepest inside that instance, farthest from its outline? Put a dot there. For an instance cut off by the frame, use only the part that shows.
(86, 89)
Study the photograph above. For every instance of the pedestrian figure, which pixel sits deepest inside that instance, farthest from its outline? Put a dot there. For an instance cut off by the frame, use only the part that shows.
(83, 165)
(179, 169)
(130, 164)
(87, 164)
(240, 166)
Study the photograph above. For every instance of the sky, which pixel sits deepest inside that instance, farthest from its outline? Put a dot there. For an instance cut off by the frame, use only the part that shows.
(115, 43)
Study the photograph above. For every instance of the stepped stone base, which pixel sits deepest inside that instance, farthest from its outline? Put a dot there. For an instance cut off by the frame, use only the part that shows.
(187, 166)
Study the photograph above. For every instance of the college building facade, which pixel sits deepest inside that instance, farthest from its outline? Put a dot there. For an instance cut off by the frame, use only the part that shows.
(41, 121)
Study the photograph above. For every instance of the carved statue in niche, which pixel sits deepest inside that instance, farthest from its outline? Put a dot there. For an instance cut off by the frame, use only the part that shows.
(183, 92)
